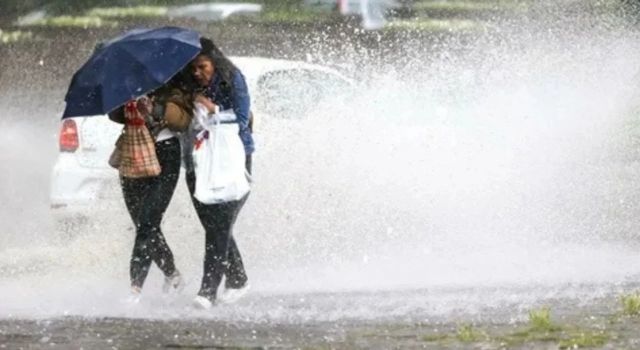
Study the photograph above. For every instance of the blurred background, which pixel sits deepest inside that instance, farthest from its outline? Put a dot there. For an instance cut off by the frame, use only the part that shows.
(34, 34)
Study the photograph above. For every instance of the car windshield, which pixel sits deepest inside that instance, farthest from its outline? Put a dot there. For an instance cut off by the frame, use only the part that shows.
(295, 92)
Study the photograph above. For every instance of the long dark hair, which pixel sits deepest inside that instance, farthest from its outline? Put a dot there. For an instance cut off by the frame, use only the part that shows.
(184, 81)
(222, 64)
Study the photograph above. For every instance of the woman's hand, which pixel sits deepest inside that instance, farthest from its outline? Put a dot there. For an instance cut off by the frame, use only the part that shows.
(205, 101)
(145, 106)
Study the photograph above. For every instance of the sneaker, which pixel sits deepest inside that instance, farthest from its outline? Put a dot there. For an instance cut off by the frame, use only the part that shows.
(202, 302)
(173, 283)
(134, 295)
(231, 295)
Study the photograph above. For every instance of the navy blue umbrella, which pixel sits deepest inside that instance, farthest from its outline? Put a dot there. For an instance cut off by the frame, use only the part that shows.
(129, 66)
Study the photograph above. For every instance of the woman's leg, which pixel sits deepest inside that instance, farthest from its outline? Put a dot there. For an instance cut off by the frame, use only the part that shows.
(133, 191)
(236, 275)
(218, 220)
(155, 202)
(219, 225)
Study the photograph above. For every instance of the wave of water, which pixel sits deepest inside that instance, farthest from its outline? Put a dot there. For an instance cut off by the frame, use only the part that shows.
(507, 162)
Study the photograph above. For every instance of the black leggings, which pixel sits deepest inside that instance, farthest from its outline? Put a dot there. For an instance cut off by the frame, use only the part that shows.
(222, 256)
(147, 199)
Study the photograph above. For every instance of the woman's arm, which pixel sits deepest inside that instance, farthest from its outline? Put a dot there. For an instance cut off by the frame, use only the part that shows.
(241, 100)
(206, 102)
(181, 99)
(178, 110)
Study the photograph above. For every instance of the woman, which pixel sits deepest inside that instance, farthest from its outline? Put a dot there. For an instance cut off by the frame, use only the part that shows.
(223, 87)
(167, 110)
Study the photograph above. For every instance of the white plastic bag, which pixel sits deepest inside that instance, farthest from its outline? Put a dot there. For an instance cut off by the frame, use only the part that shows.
(219, 158)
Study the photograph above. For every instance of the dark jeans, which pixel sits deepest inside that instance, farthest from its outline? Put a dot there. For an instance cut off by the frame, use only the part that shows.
(222, 256)
(147, 199)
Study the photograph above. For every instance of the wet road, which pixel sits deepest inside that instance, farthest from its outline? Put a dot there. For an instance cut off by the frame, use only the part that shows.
(347, 321)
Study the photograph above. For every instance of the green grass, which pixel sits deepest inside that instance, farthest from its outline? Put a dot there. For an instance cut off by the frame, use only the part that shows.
(468, 334)
(527, 337)
(540, 321)
(436, 25)
(295, 15)
(75, 21)
(291, 14)
(135, 11)
(462, 6)
(465, 333)
(631, 304)
(540, 331)
(584, 340)
(576, 339)
(14, 36)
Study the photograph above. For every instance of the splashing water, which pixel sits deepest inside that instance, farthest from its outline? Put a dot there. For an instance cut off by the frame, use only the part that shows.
(506, 162)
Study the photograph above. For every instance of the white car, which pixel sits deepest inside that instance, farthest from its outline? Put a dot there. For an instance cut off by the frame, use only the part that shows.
(82, 181)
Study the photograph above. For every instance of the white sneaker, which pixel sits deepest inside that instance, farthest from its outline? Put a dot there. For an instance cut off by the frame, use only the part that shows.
(134, 296)
(231, 295)
(173, 283)
(202, 302)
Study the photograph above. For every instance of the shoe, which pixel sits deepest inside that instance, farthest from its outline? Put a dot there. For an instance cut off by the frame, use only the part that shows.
(173, 283)
(134, 295)
(231, 295)
(202, 302)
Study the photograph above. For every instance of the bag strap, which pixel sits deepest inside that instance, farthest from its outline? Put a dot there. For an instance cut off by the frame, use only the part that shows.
(132, 115)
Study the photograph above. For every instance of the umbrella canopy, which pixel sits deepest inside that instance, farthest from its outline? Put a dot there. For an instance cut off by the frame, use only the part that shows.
(129, 66)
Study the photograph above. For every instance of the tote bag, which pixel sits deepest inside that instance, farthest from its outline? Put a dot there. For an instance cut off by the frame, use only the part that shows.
(138, 157)
(219, 158)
